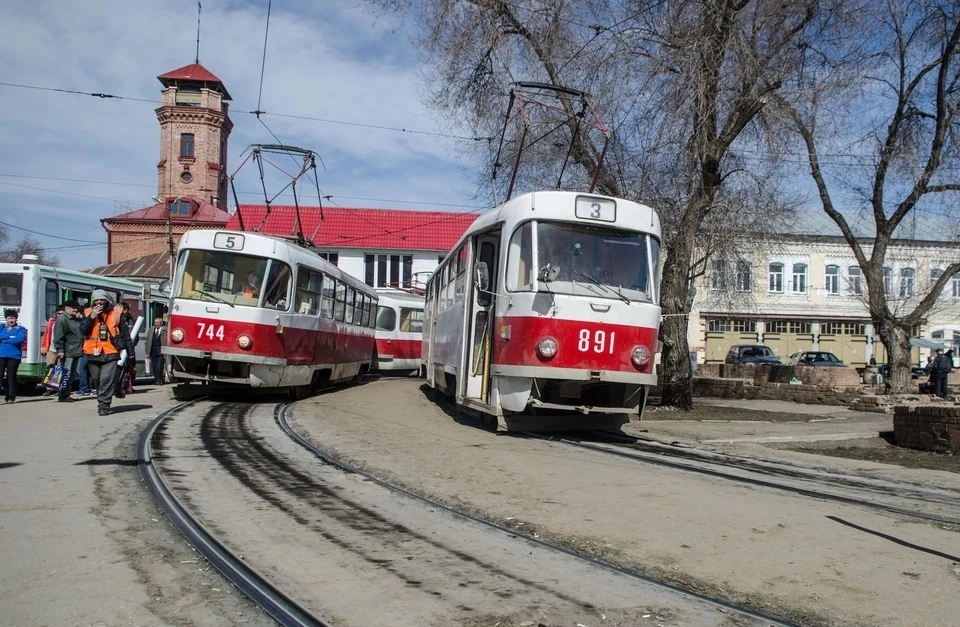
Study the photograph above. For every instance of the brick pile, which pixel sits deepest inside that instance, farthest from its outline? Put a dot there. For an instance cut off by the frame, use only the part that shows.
(933, 427)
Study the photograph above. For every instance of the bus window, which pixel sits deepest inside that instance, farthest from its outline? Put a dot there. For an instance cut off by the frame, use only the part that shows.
(51, 298)
(411, 320)
(11, 289)
(386, 318)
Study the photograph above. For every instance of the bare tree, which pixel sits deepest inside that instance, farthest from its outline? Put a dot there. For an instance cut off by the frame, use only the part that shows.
(26, 246)
(890, 105)
(684, 83)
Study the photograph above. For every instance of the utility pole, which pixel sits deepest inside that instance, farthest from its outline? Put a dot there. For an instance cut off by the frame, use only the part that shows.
(170, 238)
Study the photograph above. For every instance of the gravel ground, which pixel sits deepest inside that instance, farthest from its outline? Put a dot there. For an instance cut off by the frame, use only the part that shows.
(794, 555)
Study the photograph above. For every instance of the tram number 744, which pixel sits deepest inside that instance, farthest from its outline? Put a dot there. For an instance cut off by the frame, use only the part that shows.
(599, 343)
(211, 331)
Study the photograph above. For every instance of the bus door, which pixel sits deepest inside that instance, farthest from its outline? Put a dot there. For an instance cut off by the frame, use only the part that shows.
(480, 322)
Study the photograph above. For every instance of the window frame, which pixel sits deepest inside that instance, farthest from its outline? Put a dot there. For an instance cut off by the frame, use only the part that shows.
(831, 278)
(803, 276)
(775, 271)
(188, 147)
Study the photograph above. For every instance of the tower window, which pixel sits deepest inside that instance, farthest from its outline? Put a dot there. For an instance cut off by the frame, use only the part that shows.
(186, 144)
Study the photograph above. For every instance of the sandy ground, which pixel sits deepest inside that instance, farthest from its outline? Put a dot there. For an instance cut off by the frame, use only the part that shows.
(813, 561)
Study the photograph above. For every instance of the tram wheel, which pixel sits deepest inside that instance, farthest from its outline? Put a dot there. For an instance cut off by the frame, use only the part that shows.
(299, 392)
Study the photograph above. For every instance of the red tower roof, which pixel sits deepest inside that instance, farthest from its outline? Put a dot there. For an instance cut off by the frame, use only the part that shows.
(193, 73)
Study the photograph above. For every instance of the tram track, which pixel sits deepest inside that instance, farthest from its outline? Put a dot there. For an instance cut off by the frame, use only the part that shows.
(226, 433)
(764, 474)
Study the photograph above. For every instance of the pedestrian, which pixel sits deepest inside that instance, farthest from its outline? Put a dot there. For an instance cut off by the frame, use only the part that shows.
(131, 364)
(156, 341)
(68, 346)
(46, 343)
(12, 338)
(105, 335)
(929, 365)
(83, 373)
(942, 365)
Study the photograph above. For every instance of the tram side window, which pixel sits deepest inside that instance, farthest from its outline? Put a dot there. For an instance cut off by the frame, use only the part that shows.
(309, 287)
(386, 318)
(349, 307)
(411, 320)
(461, 279)
(520, 270)
(374, 308)
(367, 304)
(276, 293)
(326, 301)
(339, 306)
(11, 289)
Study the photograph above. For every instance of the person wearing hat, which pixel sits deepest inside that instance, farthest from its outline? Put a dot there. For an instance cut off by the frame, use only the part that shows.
(12, 338)
(105, 335)
(942, 366)
(68, 346)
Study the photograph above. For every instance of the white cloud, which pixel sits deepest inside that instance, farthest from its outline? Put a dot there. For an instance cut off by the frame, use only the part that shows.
(329, 61)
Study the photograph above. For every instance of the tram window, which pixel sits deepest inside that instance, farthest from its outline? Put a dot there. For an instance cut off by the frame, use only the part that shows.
(386, 318)
(349, 307)
(11, 289)
(309, 286)
(326, 300)
(367, 304)
(340, 304)
(226, 276)
(520, 270)
(411, 320)
(276, 293)
(488, 255)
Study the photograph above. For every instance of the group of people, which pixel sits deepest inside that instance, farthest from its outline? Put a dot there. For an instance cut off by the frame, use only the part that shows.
(939, 368)
(85, 342)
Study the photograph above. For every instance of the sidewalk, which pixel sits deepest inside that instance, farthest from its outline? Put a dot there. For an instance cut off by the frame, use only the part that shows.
(81, 540)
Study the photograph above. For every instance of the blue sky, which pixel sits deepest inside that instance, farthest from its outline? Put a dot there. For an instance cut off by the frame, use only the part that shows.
(324, 60)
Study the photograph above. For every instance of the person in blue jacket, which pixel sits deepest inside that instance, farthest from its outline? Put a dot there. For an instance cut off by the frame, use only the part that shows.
(12, 338)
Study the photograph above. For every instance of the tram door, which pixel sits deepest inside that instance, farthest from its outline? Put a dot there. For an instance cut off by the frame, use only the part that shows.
(485, 286)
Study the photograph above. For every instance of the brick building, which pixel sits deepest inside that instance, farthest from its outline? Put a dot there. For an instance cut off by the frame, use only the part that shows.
(191, 174)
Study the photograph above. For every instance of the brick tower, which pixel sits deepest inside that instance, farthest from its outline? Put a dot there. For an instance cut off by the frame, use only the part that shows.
(194, 127)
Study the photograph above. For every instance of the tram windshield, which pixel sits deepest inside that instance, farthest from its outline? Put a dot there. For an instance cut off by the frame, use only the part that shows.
(583, 261)
(233, 279)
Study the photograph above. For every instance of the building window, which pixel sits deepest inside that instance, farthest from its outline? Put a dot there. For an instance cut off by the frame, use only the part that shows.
(799, 278)
(854, 328)
(831, 328)
(744, 276)
(333, 258)
(186, 144)
(744, 326)
(887, 280)
(383, 270)
(776, 277)
(798, 326)
(776, 326)
(718, 325)
(180, 208)
(855, 280)
(718, 275)
(832, 280)
(907, 276)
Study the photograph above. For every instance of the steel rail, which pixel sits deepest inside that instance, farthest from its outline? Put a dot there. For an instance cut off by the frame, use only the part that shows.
(281, 419)
(655, 458)
(280, 607)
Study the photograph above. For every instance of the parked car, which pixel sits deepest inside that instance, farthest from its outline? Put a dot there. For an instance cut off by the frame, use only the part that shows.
(751, 354)
(814, 358)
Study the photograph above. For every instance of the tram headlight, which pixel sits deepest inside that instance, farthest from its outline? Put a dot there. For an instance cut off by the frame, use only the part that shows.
(640, 356)
(245, 342)
(176, 335)
(547, 348)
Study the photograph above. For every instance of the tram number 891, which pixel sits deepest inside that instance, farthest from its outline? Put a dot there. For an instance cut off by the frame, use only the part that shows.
(210, 331)
(597, 341)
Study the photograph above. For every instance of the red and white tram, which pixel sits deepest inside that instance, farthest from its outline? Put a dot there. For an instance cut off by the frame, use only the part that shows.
(399, 331)
(548, 305)
(255, 310)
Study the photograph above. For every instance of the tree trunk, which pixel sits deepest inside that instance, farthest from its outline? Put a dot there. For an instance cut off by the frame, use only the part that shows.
(896, 339)
(676, 378)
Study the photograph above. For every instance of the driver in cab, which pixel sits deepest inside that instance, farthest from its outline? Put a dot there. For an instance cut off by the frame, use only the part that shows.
(250, 287)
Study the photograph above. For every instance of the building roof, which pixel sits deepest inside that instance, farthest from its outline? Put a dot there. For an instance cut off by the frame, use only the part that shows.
(195, 73)
(202, 214)
(155, 266)
(384, 229)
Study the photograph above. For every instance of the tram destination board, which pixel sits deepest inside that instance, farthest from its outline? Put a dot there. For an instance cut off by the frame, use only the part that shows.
(228, 241)
(593, 208)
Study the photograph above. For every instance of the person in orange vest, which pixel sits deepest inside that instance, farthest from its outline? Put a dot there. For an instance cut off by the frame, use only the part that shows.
(105, 336)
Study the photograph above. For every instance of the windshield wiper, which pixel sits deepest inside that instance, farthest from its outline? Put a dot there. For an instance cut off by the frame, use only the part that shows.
(600, 285)
(216, 298)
